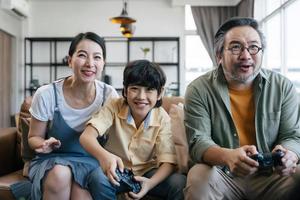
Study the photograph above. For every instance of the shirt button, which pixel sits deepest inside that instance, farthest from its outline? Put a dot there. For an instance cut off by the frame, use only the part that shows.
(234, 135)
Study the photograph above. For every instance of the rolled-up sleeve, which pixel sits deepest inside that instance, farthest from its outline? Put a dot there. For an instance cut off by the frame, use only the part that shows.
(197, 124)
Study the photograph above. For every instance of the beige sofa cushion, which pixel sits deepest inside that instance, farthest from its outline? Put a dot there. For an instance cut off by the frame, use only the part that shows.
(179, 137)
(23, 127)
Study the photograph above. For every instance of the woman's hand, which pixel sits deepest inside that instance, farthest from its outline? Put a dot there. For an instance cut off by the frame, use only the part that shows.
(109, 163)
(48, 145)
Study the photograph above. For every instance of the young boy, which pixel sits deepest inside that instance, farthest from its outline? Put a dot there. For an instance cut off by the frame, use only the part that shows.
(139, 137)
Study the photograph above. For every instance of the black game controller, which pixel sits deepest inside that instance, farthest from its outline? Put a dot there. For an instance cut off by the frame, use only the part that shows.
(268, 160)
(127, 180)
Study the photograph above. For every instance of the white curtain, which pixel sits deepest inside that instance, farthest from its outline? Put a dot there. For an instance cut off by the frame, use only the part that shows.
(208, 19)
(5, 79)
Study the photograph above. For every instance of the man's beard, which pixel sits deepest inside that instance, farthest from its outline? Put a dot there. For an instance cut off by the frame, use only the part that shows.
(233, 76)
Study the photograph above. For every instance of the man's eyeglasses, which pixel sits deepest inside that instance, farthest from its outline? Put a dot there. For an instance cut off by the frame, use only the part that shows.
(237, 49)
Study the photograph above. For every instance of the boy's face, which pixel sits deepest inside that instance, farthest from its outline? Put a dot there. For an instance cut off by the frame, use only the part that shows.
(141, 100)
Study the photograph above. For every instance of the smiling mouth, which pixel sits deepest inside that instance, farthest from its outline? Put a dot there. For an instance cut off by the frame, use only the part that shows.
(88, 73)
(140, 104)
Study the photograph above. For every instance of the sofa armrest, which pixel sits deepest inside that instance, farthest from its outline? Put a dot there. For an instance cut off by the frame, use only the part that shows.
(8, 150)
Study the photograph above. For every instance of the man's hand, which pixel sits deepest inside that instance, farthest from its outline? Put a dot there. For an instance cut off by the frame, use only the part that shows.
(289, 162)
(239, 162)
(48, 145)
(109, 163)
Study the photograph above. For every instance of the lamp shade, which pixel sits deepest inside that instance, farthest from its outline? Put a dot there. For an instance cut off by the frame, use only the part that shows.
(123, 18)
(127, 30)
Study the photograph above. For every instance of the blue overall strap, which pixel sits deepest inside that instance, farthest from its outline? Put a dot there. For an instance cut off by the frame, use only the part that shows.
(104, 97)
(55, 96)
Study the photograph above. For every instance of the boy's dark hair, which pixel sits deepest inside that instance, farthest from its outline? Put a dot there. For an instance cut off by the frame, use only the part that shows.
(90, 36)
(232, 23)
(144, 73)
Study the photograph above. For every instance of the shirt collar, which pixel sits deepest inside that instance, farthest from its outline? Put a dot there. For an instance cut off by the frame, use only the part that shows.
(151, 118)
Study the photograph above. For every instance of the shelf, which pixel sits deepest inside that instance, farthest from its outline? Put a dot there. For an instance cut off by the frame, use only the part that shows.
(44, 58)
(47, 64)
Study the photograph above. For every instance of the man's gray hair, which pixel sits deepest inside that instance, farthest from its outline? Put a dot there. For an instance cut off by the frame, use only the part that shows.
(231, 23)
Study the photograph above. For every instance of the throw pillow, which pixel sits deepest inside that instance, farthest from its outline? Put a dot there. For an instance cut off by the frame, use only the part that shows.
(179, 137)
(26, 152)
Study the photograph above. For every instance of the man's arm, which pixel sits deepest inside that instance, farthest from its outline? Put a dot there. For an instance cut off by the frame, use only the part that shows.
(238, 160)
(202, 147)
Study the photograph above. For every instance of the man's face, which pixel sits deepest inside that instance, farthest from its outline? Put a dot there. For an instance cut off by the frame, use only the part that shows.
(243, 67)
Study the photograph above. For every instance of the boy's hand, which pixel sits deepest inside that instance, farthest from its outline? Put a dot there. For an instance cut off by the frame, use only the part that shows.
(146, 186)
(109, 163)
(48, 145)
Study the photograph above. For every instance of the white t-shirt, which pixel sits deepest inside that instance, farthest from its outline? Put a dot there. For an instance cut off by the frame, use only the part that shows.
(43, 104)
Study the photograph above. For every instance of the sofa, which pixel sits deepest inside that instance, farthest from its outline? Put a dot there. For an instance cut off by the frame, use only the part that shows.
(14, 150)
(11, 164)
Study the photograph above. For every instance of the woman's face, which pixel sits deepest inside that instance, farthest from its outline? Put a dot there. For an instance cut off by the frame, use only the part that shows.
(87, 61)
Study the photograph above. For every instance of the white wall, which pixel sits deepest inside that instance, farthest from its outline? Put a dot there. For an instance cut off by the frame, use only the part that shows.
(13, 25)
(66, 18)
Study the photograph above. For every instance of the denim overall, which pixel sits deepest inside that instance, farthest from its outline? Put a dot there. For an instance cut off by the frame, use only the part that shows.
(70, 154)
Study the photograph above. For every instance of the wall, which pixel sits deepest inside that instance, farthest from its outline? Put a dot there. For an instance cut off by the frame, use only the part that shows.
(66, 18)
(13, 25)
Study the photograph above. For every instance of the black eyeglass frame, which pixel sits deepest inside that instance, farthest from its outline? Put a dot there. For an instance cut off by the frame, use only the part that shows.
(242, 48)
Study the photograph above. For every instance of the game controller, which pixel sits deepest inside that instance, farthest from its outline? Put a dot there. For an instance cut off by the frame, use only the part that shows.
(127, 181)
(268, 160)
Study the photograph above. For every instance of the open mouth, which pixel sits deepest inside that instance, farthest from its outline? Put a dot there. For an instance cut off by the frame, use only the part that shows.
(245, 68)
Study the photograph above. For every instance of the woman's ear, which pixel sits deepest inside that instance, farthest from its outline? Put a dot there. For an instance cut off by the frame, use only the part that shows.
(69, 61)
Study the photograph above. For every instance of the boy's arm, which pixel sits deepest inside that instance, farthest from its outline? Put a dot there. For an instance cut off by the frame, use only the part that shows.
(108, 161)
(162, 173)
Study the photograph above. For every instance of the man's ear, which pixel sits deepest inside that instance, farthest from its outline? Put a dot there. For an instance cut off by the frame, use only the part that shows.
(219, 59)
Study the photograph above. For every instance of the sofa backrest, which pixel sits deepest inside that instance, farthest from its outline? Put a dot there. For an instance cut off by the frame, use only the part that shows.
(174, 107)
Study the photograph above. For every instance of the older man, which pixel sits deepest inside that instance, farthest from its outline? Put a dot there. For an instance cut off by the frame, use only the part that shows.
(236, 111)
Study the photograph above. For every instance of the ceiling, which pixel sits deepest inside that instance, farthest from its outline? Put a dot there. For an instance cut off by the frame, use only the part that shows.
(177, 2)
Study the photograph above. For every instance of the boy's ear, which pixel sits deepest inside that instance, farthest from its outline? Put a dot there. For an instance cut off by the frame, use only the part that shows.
(162, 93)
(124, 91)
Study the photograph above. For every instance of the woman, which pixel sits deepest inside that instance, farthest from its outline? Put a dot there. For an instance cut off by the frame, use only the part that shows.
(59, 113)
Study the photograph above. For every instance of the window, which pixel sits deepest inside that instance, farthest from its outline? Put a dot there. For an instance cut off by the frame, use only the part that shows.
(279, 19)
(197, 60)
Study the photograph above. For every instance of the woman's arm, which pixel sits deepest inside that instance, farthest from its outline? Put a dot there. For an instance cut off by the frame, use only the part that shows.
(36, 137)
(37, 132)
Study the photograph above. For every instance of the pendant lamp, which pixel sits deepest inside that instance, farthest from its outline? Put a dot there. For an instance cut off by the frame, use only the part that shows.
(127, 30)
(123, 18)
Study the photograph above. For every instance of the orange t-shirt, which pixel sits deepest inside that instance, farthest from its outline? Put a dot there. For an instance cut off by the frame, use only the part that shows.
(243, 112)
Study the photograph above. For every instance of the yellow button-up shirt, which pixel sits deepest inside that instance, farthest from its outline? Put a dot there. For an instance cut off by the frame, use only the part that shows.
(142, 148)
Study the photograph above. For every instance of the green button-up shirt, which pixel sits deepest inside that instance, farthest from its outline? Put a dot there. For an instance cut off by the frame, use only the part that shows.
(209, 121)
